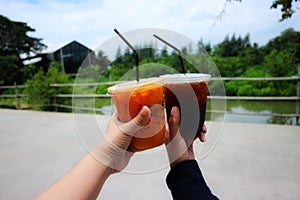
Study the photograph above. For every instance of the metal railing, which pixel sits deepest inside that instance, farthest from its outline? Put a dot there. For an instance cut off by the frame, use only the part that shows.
(296, 115)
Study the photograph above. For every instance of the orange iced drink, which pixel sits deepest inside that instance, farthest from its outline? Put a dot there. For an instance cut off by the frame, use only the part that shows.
(129, 98)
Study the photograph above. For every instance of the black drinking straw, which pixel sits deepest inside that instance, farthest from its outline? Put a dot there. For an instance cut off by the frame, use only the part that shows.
(137, 73)
(176, 49)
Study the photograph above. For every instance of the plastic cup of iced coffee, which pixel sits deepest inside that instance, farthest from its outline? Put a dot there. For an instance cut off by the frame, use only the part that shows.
(129, 98)
(189, 93)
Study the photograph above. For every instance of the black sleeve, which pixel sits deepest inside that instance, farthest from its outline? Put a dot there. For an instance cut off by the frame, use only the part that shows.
(186, 182)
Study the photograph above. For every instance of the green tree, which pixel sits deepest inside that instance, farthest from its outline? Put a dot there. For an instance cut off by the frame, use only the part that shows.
(288, 39)
(233, 46)
(147, 52)
(41, 95)
(252, 55)
(102, 59)
(281, 62)
(164, 52)
(38, 90)
(207, 47)
(14, 41)
(251, 88)
(122, 63)
(287, 7)
(8, 69)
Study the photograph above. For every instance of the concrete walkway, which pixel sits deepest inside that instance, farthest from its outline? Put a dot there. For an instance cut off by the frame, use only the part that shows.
(250, 161)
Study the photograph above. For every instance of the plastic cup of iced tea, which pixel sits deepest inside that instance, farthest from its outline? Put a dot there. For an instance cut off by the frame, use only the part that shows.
(189, 93)
(129, 98)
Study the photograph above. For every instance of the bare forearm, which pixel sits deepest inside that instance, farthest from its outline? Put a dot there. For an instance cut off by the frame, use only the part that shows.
(84, 181)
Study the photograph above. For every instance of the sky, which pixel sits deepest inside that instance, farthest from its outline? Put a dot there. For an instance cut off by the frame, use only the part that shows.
(91, 22)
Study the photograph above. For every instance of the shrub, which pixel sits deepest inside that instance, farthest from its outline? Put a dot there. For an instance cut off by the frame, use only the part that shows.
(41, 95)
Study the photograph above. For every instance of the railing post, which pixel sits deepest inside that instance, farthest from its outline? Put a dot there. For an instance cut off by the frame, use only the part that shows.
(17, 95)
(55, 98)
(111, 106)
(298, 95)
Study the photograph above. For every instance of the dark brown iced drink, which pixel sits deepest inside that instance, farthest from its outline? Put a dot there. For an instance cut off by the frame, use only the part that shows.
(189, 93)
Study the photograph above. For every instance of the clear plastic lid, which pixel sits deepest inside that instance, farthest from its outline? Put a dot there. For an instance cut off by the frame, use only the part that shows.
(185, 78)
(130, 86)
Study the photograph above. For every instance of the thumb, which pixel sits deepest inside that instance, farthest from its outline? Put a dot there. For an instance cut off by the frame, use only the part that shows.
(142, 118)
(136, 123)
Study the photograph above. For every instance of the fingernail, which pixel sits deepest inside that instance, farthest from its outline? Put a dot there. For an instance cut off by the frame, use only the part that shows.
(174, 111)
(144, 112)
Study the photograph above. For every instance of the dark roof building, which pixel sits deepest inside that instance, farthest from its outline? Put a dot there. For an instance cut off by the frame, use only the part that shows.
(71, 56)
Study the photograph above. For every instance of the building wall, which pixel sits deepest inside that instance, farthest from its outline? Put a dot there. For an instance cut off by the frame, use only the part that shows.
(71, 56)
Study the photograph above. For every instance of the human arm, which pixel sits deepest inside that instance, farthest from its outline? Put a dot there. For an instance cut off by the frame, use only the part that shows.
(185, 179)
(110, 155)
(84, 181)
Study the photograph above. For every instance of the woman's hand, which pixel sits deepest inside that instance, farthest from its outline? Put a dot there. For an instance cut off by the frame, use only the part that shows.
(110, 155)
(114, 149)
(175, 144)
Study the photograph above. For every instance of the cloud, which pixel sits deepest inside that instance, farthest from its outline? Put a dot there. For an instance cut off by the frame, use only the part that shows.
(91, 22)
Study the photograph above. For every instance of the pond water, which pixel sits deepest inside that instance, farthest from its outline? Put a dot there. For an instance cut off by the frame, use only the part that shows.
(256, 112)
(244, 111)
